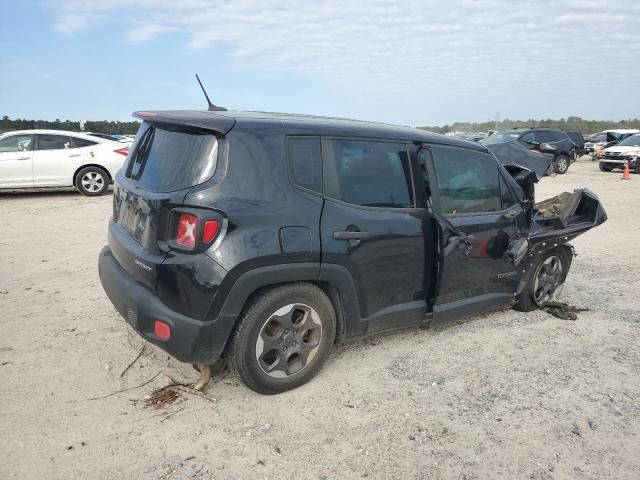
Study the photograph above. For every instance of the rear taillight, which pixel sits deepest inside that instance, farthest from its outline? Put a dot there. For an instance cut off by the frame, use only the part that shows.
(210, 230)
(187, 231)
(194, 229)
(161, 330)
(122, 151)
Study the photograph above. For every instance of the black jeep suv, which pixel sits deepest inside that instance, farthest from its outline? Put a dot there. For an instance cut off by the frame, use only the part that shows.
(550, 141)
(265, 238)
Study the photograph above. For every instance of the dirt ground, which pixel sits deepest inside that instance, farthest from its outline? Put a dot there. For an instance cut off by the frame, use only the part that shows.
(506, 395)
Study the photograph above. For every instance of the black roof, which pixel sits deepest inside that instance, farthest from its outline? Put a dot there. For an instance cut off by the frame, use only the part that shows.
(224, 121)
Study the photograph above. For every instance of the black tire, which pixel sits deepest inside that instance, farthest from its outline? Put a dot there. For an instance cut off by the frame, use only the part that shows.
(604, 167)
(526, 300)
(636, 169)
(561, 164)
(92, 181)
(252, 346)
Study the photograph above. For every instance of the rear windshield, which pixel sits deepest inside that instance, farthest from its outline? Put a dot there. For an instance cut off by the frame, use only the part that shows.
(167, 158)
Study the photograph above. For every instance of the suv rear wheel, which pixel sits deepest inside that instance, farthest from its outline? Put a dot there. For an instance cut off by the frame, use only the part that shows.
(561, 164)
(92, 181)
(284, 337)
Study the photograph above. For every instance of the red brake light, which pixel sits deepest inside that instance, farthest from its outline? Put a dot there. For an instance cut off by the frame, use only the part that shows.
(122, 151)
(161, 330)
(210, 231)
(187, 230)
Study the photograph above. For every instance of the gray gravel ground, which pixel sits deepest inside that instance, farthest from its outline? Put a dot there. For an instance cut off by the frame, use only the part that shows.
(506, 395)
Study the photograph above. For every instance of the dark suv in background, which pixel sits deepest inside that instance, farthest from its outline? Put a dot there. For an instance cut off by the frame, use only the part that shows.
(545, 140)
(267, 238)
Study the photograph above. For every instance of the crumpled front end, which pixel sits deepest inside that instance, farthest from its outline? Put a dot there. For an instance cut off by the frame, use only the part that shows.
(566, 215)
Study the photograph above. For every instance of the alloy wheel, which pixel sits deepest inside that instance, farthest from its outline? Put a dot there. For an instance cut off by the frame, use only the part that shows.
(289, 340)
(92, 182)
(547, 279)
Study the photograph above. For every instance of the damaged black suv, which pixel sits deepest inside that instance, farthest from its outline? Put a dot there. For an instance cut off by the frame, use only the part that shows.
(263, 239)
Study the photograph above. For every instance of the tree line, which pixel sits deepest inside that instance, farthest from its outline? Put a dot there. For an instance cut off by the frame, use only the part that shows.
(570, 123)
(100, 126)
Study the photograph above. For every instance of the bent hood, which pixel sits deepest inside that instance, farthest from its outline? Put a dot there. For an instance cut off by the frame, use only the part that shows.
(516, 154)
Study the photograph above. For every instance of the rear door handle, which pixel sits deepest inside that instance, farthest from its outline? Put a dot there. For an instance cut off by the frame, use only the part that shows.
(73, 155)
(347, 235)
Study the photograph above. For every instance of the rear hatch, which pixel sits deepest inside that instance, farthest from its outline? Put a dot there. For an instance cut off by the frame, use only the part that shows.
(165, 162)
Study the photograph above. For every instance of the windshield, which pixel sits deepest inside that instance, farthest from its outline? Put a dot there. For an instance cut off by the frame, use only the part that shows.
(501, 137)
(169, 158)
(598, 138)
(632, 141)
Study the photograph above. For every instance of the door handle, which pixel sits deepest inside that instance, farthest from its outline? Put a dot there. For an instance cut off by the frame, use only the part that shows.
(347, 235)
(509, 214)
(73, 155)
(23, 158)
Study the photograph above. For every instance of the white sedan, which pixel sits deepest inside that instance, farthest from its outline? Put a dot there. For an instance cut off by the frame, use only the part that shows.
(55, 158)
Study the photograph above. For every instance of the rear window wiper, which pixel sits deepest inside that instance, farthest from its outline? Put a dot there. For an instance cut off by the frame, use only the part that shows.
(142, 155)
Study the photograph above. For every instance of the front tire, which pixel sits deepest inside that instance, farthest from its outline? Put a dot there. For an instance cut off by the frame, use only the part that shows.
(548, 275)
(92, 181)
(283, 338)
(604, 167)
(561, 164)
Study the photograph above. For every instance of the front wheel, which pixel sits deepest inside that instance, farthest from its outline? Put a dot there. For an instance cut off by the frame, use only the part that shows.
(283, 338)
(92, 181)
(604, 167)
(544, 284)
(561, 165)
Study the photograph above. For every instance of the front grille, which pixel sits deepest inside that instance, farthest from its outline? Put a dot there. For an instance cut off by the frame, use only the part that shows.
(616, 156)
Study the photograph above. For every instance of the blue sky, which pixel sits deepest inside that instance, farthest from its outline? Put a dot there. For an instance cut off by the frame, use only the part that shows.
(409, 62)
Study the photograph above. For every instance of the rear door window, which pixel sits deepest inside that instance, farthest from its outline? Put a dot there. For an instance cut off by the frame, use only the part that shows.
(53, 142)
(305, 162)
(468, 181)
(372, 174)
(169, 158)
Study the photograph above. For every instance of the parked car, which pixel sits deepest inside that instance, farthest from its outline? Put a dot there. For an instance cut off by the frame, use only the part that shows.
(113, 138)
(55, 158)
(607, 138)
(578, 140)
(627, 151)
(545, 140)
(270, 237)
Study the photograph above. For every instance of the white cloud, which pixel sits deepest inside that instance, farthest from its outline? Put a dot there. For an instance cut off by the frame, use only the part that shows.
(69, 23)
(412, 46)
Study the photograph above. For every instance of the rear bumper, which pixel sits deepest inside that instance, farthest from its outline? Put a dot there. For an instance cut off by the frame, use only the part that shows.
(191, 340)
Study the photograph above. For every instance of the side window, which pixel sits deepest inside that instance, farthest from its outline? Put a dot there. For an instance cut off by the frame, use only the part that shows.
(53, 142)
(544, 137)
(505, 194)
(16, 143)
(81, 142)
(558, 136)
(468, 180)
(529, 137)
(305, 162)
(373, 174)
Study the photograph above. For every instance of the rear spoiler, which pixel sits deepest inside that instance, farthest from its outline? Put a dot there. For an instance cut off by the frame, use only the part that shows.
(214, 121)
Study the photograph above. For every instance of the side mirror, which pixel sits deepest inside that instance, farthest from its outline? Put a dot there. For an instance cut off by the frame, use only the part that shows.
(547, 148)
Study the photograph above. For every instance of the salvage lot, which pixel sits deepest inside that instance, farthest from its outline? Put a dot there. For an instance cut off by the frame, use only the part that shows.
(507, 395)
